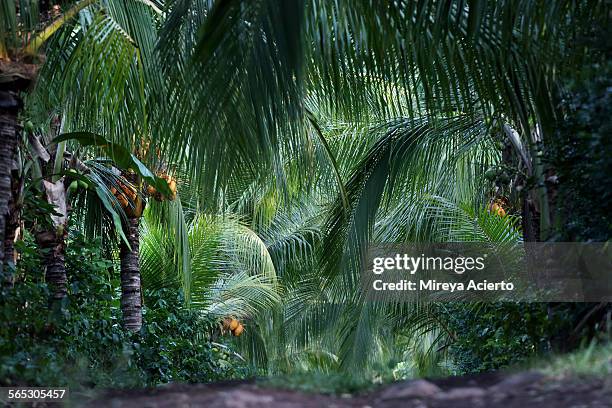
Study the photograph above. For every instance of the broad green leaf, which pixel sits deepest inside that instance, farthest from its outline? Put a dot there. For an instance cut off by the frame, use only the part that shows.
(111, 210)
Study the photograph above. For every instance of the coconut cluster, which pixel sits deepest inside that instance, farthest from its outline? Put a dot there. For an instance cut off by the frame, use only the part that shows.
(497, 208)
(128, 198)
(152, 191)
(233, 325)
(132, 202)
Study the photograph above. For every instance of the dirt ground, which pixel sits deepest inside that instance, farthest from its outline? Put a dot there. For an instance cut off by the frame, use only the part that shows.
(522, 390)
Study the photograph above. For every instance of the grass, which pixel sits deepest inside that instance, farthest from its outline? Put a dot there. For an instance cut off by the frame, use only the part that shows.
(321, 383)
(593, 360)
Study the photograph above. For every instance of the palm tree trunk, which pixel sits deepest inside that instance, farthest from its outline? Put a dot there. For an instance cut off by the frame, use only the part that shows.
(54, 249)
(530, 220)
(131, 300)
(12, 223)
(9, 247)
(52, 241)
(13, 220)
(9, 131)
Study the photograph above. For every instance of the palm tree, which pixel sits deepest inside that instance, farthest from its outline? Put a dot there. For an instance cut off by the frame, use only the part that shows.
(62, 177)
(106, 45)
(20, 42)
(109, 45)
(118, 182)
(322, 322)
(257, 64)
(227, 272)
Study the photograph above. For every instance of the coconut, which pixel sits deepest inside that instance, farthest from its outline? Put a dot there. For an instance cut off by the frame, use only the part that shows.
(73, 186)
(136, 210)
(238, 331)
(233, 324)
(498, 209)
(172, 187)
(122, 200)
(129, 191)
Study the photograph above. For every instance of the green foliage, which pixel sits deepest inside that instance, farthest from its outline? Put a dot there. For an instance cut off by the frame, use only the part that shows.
(121, 156)
(592, 360)
(226, 265)
(80, 342)
(423, 85)
(492, 336)
(581, 156)
(175, 345)
(579, 159)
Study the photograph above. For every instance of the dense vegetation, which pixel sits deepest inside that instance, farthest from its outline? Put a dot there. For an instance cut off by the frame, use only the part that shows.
(168, 166)
(81, 343)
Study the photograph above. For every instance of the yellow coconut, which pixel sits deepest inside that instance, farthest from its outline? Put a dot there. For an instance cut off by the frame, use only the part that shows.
(238, 331)
(172, 186)
(233, 324)
(122, 200)
(498, 209)
(129, 191)
(136, 210)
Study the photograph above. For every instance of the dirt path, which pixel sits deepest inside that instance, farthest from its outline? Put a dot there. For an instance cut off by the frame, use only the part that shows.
(523, 390)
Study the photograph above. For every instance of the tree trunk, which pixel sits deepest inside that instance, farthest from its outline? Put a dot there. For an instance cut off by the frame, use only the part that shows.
(53, 241)
(530, 220)
(131, 300)
(54, 249)
(9, 131)
(12, 222)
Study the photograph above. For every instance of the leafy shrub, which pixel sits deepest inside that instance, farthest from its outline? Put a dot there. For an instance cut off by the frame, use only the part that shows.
(175, 344)
(80, 342)
(580, 153)
(491, 336)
